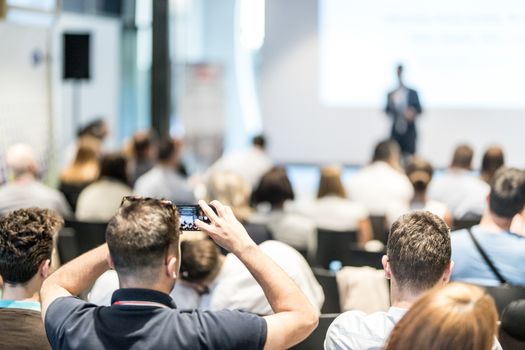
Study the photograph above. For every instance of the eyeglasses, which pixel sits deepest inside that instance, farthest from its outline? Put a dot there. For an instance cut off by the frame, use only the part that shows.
(164, 203)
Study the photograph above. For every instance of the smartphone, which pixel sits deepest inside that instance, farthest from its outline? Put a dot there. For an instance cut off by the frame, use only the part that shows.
(188, 213)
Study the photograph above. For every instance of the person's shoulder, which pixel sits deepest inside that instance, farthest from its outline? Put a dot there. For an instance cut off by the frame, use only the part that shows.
(351, 329)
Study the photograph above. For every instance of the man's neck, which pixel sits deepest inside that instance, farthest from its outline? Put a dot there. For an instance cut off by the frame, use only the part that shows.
(493, 223)
(401, 298)
(139, 284)
(20, 292)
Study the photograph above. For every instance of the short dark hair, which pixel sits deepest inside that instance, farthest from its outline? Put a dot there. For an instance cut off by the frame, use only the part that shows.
(259, 140)
(274, 188)
(114, 165)
(418, 250)
(199, 259)
(492, 160)
(507, 196)
(419, 172)
(26, 239)
(462, 157)
(140, 234)
(384, 150)
(167, 149)
(142, 142)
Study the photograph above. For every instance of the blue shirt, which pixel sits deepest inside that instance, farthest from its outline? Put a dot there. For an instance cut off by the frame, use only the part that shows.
(17, 304)
(147, 319)
(505, 249)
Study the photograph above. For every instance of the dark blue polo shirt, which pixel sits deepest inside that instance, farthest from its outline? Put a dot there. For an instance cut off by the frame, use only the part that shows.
(147, 319)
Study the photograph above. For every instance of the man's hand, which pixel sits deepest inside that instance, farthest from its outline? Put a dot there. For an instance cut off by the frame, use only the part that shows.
(410, 114)
(225, 229)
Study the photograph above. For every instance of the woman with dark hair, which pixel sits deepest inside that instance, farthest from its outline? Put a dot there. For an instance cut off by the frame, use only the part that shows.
(272, 198)
(100, 200)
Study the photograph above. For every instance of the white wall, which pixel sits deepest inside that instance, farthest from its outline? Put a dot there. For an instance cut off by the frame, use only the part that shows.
(301, 129)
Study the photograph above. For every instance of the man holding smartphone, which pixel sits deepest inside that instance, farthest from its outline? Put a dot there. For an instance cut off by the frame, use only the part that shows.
(143, 247)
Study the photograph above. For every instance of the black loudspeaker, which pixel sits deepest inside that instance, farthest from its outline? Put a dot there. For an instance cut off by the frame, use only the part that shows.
(76, 56)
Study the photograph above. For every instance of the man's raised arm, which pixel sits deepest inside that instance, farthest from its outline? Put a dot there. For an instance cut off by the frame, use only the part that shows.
(295, 318)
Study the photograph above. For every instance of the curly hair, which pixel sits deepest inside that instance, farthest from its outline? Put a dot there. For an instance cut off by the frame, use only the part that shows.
(26, 239)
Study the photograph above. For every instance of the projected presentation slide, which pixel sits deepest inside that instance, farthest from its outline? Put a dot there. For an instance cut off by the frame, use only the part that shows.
(458, 54)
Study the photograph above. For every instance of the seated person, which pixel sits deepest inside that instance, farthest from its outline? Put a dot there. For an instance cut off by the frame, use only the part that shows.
(143, 247)
(211, 281)
(26, 243)
(455, 317)
(503, 247)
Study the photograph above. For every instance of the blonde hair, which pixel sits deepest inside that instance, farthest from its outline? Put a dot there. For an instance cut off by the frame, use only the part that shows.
(230, 189)
(455, 317)
(85, 166)
(330, 182)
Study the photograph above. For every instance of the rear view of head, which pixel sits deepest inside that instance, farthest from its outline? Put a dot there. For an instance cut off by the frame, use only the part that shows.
(418, 252)
(462, 158)
(493, 159)
(455, 317)
(274, 188)
(259, 141)
(21, 160)
(142, 237)
(330, 183)
(507, 193)
(26, 243)
(114, 166)
(387, 151)
(167, 152)
(144, 147)
(200, 261)
(419, 172)
(230, 189)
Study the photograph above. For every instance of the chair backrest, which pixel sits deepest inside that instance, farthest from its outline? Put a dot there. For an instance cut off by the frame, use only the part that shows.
(464, 223)
(333, 245)
(67, 245)
(316, 339)
(360, 257)
(504, 295)
(327, 280)
(258, 232)
(88, 235)
(508, 342)
(379, 227)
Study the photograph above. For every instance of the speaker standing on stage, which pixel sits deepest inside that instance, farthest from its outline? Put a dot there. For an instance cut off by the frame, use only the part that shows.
(404, 107)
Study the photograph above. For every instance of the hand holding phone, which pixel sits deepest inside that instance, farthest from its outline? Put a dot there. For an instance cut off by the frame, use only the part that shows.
(188, 213)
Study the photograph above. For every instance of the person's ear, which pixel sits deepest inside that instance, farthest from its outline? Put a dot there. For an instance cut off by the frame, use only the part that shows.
(172, 267)
(110, 262)
(448, 272)
(386, 267)
(44, 268)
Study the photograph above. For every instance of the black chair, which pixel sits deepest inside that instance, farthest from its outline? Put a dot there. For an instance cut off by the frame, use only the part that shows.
(333, 245)
(379, 227)
(360, 257)
(86, 235)
(316, 339)
(464, 223)
(504, 295)
(327, 280)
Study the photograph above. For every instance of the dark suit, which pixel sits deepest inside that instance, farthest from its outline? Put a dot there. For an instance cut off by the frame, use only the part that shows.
(404, 131)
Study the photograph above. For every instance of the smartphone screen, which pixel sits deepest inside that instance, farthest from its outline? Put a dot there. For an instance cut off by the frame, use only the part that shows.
(187, 216)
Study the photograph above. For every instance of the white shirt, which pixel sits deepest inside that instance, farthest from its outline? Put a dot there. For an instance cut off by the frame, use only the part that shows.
(461, 191)
(251, 164)
(357, 330)
(100, 200)
(377, 186)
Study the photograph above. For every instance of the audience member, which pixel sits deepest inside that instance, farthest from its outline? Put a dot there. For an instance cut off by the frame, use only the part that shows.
(417, 259)
(163, 181)
(143, 246)
(273, 196)
(333, 211)
(461, 191)
(144, 152)
(513, 319)
(100, 200)
(233, 190)
(26, 191)
(381, 184)
(83, 171)
(211, 281)
(26, 244)
(455, 317)
(251, 164)
(503, 248)
(493, 159)
(420, 172)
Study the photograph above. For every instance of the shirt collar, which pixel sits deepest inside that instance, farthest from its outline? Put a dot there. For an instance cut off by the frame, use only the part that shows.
(135, 296)
(18, 304)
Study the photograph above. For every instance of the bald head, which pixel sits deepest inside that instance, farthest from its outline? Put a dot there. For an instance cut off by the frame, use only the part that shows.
(21, 159)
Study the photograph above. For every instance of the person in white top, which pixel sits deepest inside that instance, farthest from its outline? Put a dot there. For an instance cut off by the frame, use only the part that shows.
(211, 281)
(464, 193)
(251, 163)
(382, 183)
(419, 172)
(100, 200)
(333, 211)
(411, 272)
